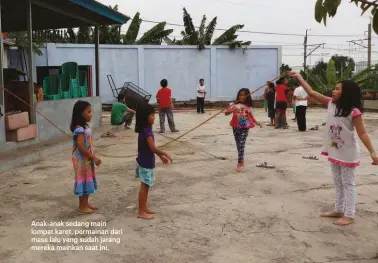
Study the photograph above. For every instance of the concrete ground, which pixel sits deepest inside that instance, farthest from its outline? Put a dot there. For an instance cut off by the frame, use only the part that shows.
(206, 211)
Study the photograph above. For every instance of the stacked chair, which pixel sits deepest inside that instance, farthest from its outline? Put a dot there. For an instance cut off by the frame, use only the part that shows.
(70, 83)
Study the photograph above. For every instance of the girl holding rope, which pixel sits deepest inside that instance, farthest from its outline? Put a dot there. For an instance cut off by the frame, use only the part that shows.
(242, 121)
(344, 116)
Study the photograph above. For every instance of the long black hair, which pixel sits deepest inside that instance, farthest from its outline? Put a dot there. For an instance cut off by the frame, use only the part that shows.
(142, 114)
(350, 98)
(77, 115)
(248, 101)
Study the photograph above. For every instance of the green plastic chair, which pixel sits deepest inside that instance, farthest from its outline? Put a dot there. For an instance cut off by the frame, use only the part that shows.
(51, 88)
(65, 86)
(83, 83)
(72, 69)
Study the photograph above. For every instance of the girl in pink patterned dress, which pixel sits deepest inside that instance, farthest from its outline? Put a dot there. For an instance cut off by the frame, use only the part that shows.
(83, 157)
(242, 121)
(340, 145)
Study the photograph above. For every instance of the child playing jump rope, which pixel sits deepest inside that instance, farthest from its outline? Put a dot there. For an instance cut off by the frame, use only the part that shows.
(242, 121)
(340, 144)
(145, 170)
(83, 157)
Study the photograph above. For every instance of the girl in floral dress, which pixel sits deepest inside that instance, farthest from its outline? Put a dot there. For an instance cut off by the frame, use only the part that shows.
(83, 157)
(242, 121)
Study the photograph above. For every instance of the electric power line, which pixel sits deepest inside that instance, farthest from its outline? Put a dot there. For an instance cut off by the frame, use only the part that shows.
(258, 32)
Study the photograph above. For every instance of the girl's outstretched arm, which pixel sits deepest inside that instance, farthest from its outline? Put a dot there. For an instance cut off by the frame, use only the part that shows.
(229, 110)
(360, 128)
(156, 150)
(316, 95)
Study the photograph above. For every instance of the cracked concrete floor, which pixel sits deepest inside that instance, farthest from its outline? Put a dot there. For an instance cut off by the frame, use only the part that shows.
(206, 211)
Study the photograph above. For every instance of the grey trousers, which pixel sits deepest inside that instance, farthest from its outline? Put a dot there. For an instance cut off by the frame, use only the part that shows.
(127, 119)
(171, 122)
(344, 179)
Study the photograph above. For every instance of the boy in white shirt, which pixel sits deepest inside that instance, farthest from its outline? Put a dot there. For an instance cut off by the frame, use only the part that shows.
(201, 92)
(301, 96)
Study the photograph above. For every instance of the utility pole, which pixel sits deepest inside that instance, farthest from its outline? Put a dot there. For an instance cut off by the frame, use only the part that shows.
(305, 52)
(369, 45)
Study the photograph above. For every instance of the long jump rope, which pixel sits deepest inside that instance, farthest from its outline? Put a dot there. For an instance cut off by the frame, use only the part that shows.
(129, 156)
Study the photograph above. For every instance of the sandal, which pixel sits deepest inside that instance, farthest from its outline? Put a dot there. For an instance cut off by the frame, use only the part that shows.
(315, 128)
(265, 165)
(310, 157)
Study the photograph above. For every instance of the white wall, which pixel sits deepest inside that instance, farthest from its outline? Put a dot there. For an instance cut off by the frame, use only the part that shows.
(225, 71)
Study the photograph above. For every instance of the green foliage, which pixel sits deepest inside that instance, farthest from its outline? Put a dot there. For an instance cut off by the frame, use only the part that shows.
(112, 34)
(323, 77)
(331, 74)
(328, 8)
(343, 63)
(191, 35)
(133, 30)
(285, 68)
(21, 41)
(155, 35)
(209, 32)
(228, 35)
(84, 35)
(203, 36)
(368, 79)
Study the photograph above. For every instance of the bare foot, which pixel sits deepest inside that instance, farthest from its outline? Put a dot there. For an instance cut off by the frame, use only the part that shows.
(145, 215)
(150, 212)
(332, 214)
(240, 168)
(344, 221)
(92, 207)
(86, 210)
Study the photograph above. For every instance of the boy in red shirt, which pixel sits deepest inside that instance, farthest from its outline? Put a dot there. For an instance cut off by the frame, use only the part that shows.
(165, 103)
(281, 102)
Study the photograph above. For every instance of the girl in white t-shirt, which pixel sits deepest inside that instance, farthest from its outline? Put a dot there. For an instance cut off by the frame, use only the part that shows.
(340, 145)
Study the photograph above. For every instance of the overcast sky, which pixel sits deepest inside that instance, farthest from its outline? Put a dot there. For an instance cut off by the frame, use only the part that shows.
(277, 16)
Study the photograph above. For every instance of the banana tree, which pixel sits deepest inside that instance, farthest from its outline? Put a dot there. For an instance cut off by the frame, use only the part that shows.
(327, 82)
(191, 36)
(229, 38)
(367, 79)
(132, 33)
(155, 35)
(203, 36)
